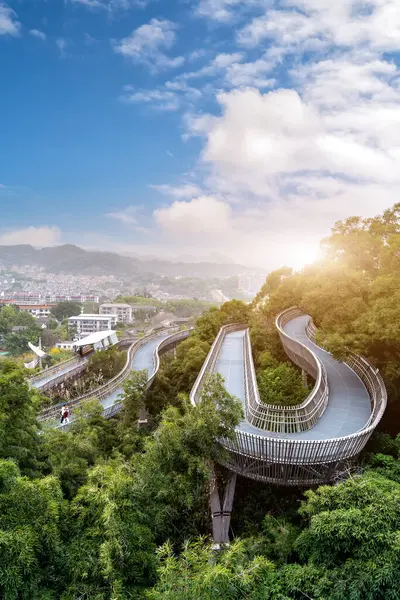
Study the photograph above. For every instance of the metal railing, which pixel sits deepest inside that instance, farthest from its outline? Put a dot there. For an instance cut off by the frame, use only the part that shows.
(209, 363)
(283, 459)
(56, 369)
(80, 363)
(289, 419)
(111, 386)
(368, 374)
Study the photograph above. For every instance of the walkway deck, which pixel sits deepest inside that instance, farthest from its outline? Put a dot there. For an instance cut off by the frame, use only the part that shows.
(49, 377)
(349, 406)
(143, 359)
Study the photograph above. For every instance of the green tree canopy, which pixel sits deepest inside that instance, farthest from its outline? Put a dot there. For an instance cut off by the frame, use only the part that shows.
(281, 385)
(64, 310)
(30, 542)
(19, 439)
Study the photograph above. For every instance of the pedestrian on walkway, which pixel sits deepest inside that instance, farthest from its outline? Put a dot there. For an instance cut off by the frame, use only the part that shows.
(62, 415)
(66, 415)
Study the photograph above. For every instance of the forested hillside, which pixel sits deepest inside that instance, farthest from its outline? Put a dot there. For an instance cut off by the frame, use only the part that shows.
(110, 511)
(353, 295)
(75, 260)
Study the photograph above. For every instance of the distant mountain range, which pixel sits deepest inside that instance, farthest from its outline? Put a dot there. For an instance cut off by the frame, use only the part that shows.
(73, 260)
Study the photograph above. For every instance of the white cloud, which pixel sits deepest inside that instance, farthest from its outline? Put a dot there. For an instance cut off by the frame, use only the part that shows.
(111, 5)
(147, 44)
(219, 63)
(186, 190)
(38, 34)
(35, 236)
(163, 100)
(231, 71)
(285, 165)
(223, 11)
(196, 54)
(200, 217)
(62, 46)
(168, 98)
(348, 23)
(294, 162)
(128, 216)
(9, 25)
(287, 27)
(251, 74)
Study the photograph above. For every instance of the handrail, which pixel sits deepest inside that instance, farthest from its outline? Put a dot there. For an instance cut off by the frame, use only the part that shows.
(171, 340)
(368, 374)
(211, 358)
(80, 362)
(106, 389)
(289, 419)
(103, 390)
(54, 369)
(285, 459)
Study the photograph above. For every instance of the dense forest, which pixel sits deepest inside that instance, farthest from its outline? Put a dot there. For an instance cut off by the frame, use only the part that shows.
(110, 511)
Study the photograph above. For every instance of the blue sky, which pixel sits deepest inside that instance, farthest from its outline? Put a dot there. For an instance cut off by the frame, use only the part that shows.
(183, 127)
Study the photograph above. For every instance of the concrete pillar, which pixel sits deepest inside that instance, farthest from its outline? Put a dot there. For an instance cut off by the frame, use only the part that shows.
(221, 512)
(304, 377)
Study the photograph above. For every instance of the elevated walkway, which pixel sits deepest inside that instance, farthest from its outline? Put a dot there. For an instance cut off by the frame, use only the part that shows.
(349, 406)
(307, 444)
(56, 374)
(142, 354)
(144, 358)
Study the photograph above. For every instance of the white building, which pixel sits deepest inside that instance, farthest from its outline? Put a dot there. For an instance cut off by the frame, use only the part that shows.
(86, 324)
(123, 312)
(36, 310)
(65, 345)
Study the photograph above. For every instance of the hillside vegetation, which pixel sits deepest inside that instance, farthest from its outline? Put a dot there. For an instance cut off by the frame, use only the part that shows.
(107, 511)
(353, 295)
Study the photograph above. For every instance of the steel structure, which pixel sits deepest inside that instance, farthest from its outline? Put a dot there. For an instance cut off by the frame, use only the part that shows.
(142, 354)
(54, 375)
(306, 445)
(297, 449)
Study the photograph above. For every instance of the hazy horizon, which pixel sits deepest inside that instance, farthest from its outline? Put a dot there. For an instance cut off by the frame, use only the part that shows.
(169, 129)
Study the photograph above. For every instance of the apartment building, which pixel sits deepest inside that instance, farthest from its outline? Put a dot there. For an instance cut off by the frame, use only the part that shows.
(123, 312)
(86, 324)
(36, 310)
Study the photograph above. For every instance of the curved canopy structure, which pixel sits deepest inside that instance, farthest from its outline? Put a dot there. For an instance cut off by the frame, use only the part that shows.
(38, 351)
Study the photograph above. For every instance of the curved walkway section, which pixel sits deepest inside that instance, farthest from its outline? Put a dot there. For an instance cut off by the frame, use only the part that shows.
(54, 375)
(349, 406)
(142, 354)
(355, 405)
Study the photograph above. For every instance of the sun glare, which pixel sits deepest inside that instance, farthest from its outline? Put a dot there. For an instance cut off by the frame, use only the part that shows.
(302, 254)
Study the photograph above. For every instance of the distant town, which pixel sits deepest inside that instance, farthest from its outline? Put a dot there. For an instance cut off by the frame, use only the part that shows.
(31, 285)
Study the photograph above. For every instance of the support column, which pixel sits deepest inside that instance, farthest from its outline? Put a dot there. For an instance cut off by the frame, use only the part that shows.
(304, 377)
(221, 513)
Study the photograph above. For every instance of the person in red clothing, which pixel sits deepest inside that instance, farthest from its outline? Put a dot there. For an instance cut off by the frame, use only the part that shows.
(64, 415)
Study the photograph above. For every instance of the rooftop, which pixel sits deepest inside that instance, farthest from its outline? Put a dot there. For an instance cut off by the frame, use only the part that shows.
(90, 318)
(35, 306)
(115, 304)
(94, 338)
